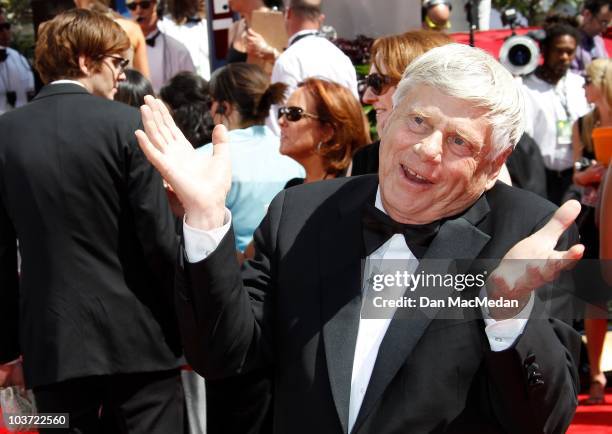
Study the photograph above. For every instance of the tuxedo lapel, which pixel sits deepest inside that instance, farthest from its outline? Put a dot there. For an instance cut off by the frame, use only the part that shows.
(458, 238)
(341, 247)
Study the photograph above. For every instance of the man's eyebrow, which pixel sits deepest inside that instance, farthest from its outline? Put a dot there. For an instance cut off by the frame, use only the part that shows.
(466, 135)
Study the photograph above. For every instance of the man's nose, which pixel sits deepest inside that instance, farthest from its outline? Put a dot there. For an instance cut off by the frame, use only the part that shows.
(429, 148)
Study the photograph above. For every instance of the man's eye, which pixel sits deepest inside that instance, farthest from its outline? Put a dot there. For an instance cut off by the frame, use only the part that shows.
(457, 140)
(418, 120)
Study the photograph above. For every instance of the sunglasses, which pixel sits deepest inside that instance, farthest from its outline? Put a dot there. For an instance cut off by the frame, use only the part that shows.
(378, 83)
(294, 114)
(5, 26)
(120, 62)
(146, 4)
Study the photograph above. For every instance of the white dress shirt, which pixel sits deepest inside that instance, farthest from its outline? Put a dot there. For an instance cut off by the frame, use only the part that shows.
(194, 36)
(15, 76)
(501, 334)
(545, 106)
(310, 57)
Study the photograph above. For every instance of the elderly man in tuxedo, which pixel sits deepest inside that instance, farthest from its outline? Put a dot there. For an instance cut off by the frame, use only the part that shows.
(296, 310)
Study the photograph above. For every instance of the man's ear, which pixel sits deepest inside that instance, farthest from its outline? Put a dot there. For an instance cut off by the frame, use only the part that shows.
(85, 65)
(495, 167)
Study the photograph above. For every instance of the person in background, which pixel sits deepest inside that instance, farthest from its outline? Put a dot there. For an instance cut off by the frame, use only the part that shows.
(595, 18)
(242, 96)
(167, 56)
(554, 100)
(185, 21)
(188, 97)
(309, 54)
(322, 126)
(16, 77)
(138, 53)
(605, 226)
(239, 31)
(91, 311)
(133, 89)
(598, 89)
(436, 15)
(389, 57)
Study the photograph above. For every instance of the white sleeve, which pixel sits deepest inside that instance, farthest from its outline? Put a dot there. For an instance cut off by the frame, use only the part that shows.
(200, 244)
(502, 334)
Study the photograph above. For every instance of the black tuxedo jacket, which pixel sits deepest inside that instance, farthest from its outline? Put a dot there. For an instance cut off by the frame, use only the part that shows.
(96, 238)
(294, 311)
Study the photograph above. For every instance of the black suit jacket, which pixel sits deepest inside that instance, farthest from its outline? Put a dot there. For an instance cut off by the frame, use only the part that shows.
(96, 240)
(295, 308)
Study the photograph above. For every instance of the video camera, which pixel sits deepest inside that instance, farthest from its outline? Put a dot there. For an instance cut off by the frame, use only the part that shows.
(520, 54)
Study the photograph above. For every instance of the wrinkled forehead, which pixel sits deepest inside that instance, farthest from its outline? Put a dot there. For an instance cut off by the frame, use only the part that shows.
(446, 112)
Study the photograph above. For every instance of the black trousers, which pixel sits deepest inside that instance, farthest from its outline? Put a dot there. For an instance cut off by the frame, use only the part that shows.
(147, 403)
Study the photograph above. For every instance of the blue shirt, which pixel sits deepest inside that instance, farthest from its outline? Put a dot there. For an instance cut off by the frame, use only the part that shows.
(259, 172)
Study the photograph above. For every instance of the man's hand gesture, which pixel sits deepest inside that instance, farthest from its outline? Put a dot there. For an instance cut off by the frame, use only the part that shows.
(201, 182)
(533, 262)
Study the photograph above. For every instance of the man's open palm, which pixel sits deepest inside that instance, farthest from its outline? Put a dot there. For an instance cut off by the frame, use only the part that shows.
(201, 182)
(533, 261)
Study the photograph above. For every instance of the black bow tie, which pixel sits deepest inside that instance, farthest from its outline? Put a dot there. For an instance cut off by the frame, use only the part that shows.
(193, 20)
(378, 227)
(151, 40)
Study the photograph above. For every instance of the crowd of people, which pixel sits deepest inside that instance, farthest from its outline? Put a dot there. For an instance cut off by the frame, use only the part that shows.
(203, 264)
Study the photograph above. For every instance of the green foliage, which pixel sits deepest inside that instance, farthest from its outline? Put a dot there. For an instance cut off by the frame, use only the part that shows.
(19, 13)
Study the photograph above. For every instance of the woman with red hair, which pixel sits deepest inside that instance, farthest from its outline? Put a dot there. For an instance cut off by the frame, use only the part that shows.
(322, 126)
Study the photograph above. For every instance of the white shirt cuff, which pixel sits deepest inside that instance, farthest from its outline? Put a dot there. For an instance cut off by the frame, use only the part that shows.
(200, 244)
(502, 334)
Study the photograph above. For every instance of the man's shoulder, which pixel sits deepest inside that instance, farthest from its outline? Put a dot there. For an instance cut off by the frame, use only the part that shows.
(313, 45)
(574, 79)
(533, 83)
(174, 44)
(330, 192)
(82, 107)
(512, 202)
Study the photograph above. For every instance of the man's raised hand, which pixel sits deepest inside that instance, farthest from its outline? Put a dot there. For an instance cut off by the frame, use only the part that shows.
(533, 261)
(201, 182)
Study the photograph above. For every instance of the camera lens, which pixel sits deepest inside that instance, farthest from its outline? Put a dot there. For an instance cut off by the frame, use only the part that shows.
(519, 55)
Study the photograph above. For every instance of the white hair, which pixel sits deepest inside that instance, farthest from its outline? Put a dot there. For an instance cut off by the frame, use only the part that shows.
(472, 75)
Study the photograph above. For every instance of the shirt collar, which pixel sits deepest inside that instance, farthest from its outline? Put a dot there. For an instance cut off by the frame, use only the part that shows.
(300, 33)
(378, 202)
(68, 82)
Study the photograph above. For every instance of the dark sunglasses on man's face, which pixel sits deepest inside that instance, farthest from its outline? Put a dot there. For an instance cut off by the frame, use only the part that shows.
(143, 5)
(378, 83)
(5, 26)
(294, 114)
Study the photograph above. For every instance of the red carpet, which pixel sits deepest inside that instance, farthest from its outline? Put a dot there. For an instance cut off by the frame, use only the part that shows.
(589, 419)
(593, 419)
